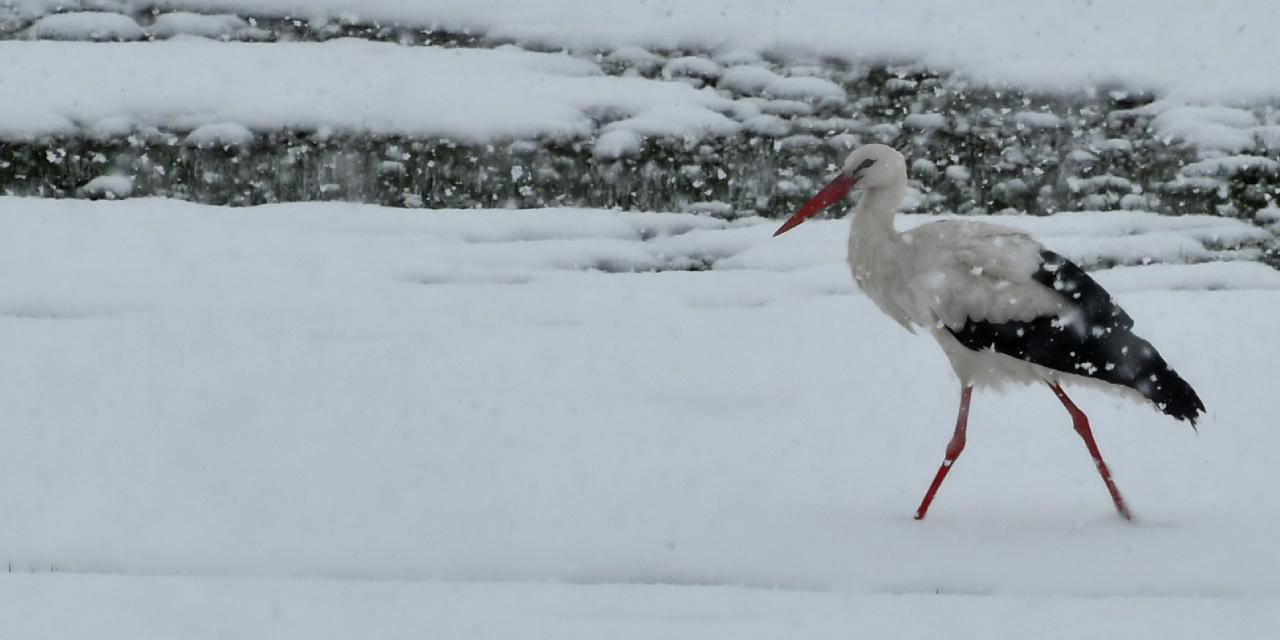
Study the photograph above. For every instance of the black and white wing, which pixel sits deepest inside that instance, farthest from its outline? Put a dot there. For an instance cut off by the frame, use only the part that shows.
(1091, 336)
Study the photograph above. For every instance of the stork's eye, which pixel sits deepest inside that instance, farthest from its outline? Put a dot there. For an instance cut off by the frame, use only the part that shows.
(865, 164)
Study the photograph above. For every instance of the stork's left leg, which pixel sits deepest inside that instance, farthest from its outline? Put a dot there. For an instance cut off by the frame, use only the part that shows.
(1081, 423)
(953, 451)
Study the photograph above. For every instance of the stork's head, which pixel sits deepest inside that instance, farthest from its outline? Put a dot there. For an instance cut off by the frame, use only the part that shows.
(871, 166)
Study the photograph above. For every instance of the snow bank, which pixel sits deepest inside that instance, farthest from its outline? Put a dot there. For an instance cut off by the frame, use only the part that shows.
(1209, 276)
(1228, 166)
(1211, 128)
(464, 94)
(1063, 46)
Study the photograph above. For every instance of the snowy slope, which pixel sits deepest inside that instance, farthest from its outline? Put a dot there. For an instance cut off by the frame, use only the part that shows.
(339, 391)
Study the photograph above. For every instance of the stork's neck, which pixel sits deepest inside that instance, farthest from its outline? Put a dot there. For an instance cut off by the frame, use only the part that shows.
(873, 219)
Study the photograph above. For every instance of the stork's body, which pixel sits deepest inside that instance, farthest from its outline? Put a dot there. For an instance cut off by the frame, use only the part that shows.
(1002, 307)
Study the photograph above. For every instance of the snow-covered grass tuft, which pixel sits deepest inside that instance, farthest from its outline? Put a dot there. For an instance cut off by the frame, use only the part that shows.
(1229, 166)
(617, 143)
(217, 27)
(220, 134)
(114, 187)
(87, 25)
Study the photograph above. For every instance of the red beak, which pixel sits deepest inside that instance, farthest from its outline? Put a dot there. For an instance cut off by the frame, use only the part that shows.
(830, 194)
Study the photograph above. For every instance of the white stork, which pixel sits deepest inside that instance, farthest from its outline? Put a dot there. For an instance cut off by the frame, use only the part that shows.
(1003, 308)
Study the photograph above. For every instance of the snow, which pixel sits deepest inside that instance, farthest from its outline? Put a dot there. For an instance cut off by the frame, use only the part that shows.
(1037, 120)
(218, 27)
(1206, 127)
(682, 121)
(734, 57)
(1268, 215)
(1114, 145)
(925, 121)
(804, 88)
(107, 607)
(1230, 165)
(1140, 44)
(766, 125)
(781, 107)
(747, 80)
(292, 610)
(220, 134)
(691, 66)
(337, 420)
(85, 26)
(617, 143)
(957, 173)
(312, 86)
(1211, 276)
(109, 127)
(635, 57)
(111, 187)
(1269, 136)
(330, 416)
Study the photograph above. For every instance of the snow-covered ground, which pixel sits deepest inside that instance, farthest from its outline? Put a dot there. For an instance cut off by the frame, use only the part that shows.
(330, 420)
(163, 608)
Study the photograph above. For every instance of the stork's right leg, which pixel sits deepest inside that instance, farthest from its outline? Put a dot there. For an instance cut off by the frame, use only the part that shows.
(1081, 423)
(953, 451)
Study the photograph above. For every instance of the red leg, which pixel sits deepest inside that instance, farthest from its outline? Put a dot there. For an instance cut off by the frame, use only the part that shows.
(1081, 423)
(953, 451)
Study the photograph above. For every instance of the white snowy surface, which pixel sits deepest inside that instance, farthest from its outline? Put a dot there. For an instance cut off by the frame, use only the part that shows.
(424, 404)
(111, 607)
(1185, 48)
(465, 94)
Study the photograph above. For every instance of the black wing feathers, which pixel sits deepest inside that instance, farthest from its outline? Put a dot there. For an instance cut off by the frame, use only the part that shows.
(1094, 339)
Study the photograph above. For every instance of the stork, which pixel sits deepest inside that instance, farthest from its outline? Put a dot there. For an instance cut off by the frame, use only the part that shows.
(1003, 308)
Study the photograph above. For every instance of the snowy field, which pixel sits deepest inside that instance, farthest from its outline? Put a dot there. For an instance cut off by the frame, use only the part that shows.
(328, 420)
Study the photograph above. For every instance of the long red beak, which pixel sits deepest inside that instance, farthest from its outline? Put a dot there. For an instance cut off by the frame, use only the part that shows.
(830, 194)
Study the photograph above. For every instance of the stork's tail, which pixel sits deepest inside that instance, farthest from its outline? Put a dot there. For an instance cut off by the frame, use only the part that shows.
(1143, 369)
(1171, 394)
